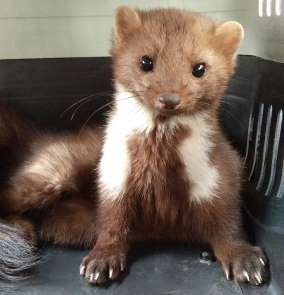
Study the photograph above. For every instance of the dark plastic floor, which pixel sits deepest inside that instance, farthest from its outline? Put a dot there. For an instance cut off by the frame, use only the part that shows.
(168, 271)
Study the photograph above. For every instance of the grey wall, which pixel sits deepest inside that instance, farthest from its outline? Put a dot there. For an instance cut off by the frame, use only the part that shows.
(68, 28)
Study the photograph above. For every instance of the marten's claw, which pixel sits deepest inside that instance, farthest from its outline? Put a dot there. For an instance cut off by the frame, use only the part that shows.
(247, 264)
(101, 267)
(82, 269)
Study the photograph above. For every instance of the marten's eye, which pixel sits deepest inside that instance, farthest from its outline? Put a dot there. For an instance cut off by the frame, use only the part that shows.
(146, 63)
(199, 70)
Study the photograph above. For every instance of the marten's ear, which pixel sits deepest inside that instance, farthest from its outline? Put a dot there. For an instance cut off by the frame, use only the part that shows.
(126, 21)
(228, 36)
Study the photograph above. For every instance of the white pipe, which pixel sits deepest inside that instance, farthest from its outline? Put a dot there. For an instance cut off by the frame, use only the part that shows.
(260, 8)
(278, 7)
(268, 7)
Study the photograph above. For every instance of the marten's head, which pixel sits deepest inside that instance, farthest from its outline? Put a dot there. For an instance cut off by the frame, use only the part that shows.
(173, 61)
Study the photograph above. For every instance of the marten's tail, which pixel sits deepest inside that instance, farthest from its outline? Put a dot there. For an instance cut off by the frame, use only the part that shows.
(17, 253)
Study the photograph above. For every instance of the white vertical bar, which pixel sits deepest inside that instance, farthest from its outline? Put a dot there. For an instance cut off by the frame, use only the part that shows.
(280, 192)
(257, 139)
(260, 8)
(278, 7)
(268, 7)
(275, 149)
(265, 148)
(249, 134)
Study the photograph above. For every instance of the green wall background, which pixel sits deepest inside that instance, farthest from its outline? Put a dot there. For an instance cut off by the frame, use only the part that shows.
(74, 28)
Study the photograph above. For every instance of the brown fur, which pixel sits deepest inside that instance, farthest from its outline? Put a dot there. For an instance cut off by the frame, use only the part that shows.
(177, 40)
(155, 204)
(55, 165)
(52, 184)
(71, 222)
(55, 180)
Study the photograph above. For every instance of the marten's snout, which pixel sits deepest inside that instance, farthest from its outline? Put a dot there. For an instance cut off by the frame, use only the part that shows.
(169, 101)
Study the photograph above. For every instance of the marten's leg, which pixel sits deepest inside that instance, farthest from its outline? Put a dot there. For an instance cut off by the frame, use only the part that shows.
(241, 261)
(222, 230)
(108, 257)
(70, 222)
(55, 166)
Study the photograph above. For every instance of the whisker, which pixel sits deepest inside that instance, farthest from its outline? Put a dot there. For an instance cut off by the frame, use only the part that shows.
(93, 113)
(97, 94)
(77, 102)
(101, 108)
(77, 109)
(86, 98)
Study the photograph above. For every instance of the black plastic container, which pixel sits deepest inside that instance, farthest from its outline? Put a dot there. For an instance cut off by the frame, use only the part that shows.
(252, 115)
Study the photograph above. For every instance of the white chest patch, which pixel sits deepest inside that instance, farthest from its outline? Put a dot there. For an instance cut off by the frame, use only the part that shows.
(130, 117)
(194, 152)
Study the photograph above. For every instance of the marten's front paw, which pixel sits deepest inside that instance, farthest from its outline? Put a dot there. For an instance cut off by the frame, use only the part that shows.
(102, 266)
(247, 264)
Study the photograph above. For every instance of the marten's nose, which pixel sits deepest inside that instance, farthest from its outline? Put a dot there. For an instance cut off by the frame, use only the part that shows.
(169, 101)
